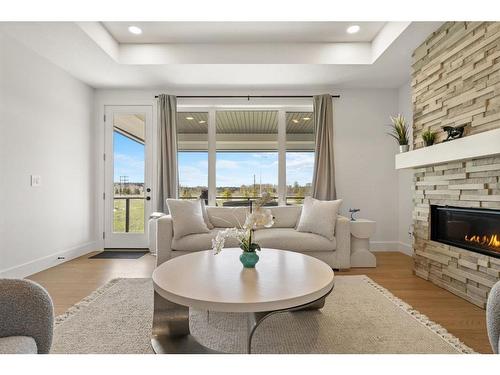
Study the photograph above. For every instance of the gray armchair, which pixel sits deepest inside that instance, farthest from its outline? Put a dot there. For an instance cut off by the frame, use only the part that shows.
(493, 317)
(26, 317)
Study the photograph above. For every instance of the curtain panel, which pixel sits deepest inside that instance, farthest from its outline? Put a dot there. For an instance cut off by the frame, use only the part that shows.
(167, 150)
(323, 186)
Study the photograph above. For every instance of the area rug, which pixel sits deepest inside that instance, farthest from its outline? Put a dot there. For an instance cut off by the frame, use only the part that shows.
(359, 316)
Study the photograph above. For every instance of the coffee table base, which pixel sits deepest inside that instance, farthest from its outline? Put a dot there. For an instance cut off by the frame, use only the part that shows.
(171, 334)
(179, 345)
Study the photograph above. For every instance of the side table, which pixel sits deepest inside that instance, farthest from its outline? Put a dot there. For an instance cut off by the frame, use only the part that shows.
(361, 256)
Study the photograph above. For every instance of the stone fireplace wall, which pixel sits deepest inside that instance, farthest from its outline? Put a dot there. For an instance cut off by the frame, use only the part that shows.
(456, 81)
(474, 183)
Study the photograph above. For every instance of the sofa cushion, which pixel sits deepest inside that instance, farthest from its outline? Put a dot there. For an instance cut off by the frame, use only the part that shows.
(18, 345)
(290, 239)
(200, 241)
(286, 216)
(227, 217)
(319, 217)
(187, 217)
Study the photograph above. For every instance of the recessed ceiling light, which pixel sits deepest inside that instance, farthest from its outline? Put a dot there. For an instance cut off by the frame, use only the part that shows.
(135, 30)
(189, 118)
(201, 122)
(353, 29)
(306, 118)
(295, 121)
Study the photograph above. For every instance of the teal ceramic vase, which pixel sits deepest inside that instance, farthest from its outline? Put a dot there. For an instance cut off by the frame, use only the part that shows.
(249, 259)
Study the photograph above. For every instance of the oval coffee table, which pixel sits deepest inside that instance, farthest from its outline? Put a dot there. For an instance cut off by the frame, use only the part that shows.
(281, 281)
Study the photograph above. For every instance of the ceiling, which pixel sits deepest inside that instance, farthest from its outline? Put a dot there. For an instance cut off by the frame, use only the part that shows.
(244, 122)
(242, 32)
(198, 124)
(130, 125)
(247, 122)
(91, 54)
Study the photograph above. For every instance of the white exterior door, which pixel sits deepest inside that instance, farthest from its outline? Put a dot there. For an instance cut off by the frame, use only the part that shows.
(128, 176)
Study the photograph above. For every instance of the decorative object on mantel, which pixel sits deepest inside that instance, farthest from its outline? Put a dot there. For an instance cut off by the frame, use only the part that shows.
(256, 217)
(399, 131)
(453, 132)
(352, 212)
(429, 137)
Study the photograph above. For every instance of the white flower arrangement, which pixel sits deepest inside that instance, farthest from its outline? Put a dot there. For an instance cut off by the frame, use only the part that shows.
(220, 239)
(258, 217)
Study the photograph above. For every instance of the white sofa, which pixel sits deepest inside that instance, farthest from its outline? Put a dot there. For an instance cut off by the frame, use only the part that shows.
(282, 235)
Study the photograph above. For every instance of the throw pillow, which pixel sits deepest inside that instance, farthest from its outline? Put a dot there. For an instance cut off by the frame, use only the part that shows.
(187, 217)
(205, 214)
(319, 217)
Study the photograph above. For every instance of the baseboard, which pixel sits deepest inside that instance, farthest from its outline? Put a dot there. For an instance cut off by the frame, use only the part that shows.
(384, 245)
(406, 248)
(49, 261)
(391, 246)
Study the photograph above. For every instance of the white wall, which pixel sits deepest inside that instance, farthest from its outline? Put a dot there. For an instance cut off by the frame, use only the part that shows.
(364, 159)
(46, 129)
(50, 128)
(405, 178)
(366, 177)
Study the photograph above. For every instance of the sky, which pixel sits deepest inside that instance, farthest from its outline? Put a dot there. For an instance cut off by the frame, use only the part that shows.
(233, 168)
(129, 159)
(238, 168)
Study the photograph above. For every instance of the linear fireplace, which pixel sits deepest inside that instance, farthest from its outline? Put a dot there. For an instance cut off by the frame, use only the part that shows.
(475, 229)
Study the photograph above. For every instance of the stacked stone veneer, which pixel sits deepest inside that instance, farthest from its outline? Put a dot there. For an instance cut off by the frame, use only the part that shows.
(456, 81)
(473, 183)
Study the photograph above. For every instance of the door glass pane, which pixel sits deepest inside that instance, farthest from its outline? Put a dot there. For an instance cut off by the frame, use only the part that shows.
(299, 155)
(192, 154)
(247, 157)
(128, 176)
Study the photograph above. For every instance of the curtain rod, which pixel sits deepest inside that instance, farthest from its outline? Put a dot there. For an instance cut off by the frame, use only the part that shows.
(246, 96)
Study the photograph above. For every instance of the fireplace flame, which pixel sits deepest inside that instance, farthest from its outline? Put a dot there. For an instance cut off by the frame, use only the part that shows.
(490, 241)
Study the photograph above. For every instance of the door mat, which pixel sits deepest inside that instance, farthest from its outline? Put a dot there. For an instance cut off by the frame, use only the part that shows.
(113, 254)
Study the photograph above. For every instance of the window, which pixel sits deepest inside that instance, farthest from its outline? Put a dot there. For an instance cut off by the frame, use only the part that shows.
(243, 175)
(247, 157)
(243, 153)
(299, 155)
(128, 169)
(192, 154)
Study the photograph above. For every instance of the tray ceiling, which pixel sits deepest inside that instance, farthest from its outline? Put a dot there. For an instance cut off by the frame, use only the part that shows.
(242, 32)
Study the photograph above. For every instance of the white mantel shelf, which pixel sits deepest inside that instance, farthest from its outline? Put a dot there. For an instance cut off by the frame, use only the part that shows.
(473, 146)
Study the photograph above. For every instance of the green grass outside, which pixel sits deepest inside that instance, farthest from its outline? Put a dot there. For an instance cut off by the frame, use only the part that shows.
(136, 216)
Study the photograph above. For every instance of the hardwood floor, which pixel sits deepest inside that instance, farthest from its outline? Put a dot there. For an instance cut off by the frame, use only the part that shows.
(69, 282)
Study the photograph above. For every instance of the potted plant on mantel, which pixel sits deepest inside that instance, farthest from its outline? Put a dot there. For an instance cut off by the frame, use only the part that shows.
(429, 137)
(399, 131)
